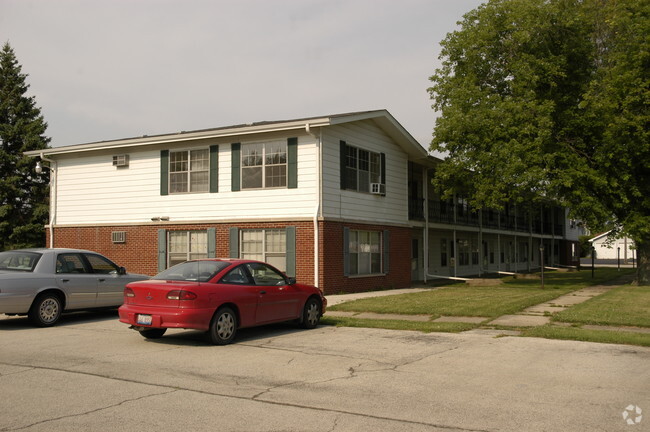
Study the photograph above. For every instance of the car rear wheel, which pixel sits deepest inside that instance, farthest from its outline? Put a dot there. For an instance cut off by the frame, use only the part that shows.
(153, 333)
(46, 310)
(311, 313)
(223, 326)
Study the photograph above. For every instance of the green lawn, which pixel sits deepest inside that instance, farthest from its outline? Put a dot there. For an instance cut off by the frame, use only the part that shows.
(624, 306)
(493, 301)
(579, 334)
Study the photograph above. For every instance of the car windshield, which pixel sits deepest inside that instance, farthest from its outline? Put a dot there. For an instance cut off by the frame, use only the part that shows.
(194, 271)
(19, 260)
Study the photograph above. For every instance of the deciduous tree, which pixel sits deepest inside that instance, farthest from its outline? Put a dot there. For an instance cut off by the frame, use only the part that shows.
(548, 100)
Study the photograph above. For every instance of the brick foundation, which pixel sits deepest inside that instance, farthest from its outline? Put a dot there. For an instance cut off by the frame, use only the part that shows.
(139, 254)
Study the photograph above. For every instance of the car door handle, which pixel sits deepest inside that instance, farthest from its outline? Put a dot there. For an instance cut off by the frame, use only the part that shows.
(65, 280)
(262, 292)
(102, 280)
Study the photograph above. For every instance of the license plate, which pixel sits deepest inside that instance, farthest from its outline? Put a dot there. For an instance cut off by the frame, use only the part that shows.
(144, 319)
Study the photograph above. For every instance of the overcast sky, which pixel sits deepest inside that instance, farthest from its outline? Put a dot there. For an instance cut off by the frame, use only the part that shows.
(110, 69)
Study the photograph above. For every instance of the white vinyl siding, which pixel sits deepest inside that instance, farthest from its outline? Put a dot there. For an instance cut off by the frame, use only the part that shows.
(350, 204)
(90, 191)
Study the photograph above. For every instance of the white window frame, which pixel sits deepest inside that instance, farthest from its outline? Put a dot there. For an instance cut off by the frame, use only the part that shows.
(361, 254)
(204, 170)
(190, 251)
(362, 172)
(265, 165)
(274, 253)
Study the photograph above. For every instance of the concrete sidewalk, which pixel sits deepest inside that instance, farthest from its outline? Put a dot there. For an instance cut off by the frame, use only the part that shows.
(537, 315)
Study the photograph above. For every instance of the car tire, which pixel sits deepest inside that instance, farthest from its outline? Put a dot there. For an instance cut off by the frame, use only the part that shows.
(223, 326)
(311, 313)
(46, 310)
(153, 333)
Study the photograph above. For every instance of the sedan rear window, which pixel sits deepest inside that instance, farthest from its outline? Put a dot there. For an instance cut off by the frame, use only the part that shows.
(19, 261)
(193, 271)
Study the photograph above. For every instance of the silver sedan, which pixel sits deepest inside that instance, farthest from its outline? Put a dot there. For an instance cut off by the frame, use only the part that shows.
(42, 283)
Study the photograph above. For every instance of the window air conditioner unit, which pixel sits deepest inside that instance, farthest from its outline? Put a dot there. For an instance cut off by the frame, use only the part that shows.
(378, 188)
(121, 160)
(118, 236)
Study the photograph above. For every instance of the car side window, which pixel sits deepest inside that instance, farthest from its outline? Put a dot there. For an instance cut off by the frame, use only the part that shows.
(265, 275)
(70, 263)
(101, 265)
(236, 276)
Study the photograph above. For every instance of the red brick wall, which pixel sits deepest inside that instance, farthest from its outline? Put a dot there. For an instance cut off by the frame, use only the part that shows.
(140, 252)
(331, 251)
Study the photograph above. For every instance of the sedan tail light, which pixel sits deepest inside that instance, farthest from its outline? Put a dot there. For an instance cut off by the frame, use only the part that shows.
(181, 295)
(128, 292)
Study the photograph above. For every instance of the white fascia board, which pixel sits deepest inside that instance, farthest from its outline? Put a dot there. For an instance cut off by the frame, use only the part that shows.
(182, 137)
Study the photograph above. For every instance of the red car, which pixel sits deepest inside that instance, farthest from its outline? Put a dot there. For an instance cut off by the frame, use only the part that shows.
(219, 296)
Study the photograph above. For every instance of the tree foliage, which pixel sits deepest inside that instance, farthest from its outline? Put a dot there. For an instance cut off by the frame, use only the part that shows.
(23, 194)
(548, 100)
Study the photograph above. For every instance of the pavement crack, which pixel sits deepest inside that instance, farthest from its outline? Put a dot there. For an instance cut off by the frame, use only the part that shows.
(88, 412)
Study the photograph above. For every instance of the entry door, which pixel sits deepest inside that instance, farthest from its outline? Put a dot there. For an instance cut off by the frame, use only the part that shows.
(415, 259)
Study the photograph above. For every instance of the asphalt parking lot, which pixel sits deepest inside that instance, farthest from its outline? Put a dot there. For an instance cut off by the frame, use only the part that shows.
(93, 374)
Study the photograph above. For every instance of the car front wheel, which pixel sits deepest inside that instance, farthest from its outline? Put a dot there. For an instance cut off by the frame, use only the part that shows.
(46, 310)
(311, 313)
(223, 326)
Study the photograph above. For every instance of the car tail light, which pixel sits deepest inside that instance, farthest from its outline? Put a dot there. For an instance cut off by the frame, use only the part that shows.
(181, 295)
(128, 292)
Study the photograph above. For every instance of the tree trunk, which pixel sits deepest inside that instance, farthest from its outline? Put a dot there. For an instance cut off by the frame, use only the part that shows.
(643, 261)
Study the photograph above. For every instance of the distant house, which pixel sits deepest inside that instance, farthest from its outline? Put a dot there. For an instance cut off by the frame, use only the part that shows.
(613, 249)
(342, 201)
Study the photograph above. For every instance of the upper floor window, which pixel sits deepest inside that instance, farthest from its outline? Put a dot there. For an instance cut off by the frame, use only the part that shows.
(264, 165)
(189, 171)
(362, 170)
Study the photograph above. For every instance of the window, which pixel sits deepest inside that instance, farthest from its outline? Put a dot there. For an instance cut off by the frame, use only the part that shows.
(101, 265)
(365, 252)
(186, 245)
(264, 165)
(189, 171)
(443, 252)
(360, 168)
(70, 263)
(463, 252)
(265, 275)
(265, 245)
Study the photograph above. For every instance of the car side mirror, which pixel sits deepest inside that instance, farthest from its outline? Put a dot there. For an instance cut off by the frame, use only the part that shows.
(121, 271)
(291, 281)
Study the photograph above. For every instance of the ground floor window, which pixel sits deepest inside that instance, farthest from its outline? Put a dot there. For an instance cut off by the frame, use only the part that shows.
(186, 245)
(365, 252)
(268, 245)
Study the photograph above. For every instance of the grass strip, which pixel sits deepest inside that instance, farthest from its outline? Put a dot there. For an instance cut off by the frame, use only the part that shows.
(426, 327)
(489, 301)
(623, 306)
(579, 334)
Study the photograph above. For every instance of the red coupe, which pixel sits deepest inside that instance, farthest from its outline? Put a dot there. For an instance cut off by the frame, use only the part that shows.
(219, 296)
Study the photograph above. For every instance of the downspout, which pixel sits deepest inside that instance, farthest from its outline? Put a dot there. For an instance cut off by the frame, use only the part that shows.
(317, 208)
(425, 245)
(52, 196)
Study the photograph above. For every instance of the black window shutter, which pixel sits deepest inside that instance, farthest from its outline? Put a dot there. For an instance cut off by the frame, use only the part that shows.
(214, 168)
(162, 250)
(234, 242)
(386, 252)
(344, 183)
(292, 166)
(291, 251)
(164, 172)
(346, 251)
(236, 166)
(212, 243)
(383, 168)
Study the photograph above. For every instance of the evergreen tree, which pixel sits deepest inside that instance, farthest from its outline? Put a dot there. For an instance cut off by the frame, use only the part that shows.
(24, 195)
